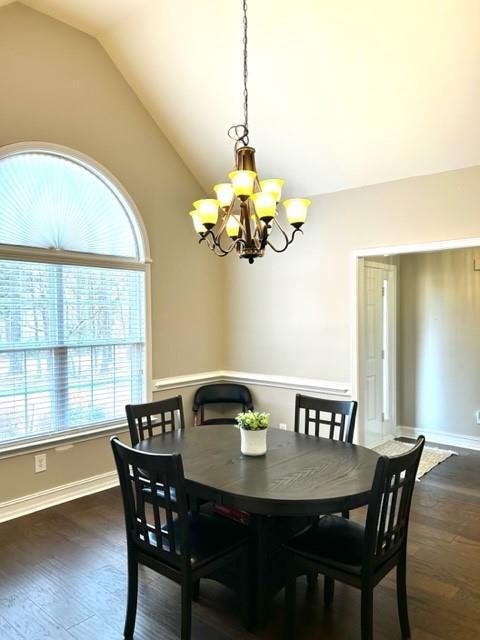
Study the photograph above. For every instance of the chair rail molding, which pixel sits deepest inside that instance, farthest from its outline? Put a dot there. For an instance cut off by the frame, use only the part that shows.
(311, 385)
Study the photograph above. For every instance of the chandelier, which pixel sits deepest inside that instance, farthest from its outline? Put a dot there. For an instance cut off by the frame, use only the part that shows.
(244, 213)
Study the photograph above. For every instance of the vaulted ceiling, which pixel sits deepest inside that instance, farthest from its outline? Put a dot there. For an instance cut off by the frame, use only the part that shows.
(342, 93)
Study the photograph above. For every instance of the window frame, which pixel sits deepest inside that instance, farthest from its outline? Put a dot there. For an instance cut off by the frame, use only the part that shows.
(54, 256)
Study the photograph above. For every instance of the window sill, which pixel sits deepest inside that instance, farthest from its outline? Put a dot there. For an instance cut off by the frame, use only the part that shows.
(59, 440)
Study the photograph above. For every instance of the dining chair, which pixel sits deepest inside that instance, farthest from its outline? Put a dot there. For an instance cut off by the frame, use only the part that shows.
(359, 555)
(144, 420)
(334, 418)
(164, 536)
(224, 393)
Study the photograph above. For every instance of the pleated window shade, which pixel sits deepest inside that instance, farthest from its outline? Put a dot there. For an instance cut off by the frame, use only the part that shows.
(72, 337)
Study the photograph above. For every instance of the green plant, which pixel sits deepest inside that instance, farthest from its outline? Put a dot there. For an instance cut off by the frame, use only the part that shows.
(252, 420)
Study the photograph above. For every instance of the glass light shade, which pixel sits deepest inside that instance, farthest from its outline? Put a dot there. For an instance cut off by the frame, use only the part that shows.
(232, 227)
(207, 210)
(198, 226)
(224, 193)
(273, 186)
(296, 209)
(242, 182)
(265, 205)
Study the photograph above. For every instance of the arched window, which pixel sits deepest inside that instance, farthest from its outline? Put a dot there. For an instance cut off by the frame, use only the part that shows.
(72, 295)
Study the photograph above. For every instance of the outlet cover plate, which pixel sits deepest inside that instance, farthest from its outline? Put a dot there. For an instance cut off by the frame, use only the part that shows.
(40, 462)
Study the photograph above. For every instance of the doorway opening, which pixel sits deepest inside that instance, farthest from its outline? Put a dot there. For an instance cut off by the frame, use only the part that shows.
(418, 343)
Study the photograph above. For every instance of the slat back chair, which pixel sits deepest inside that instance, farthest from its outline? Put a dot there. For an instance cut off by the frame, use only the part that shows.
(334, 419)
(149, 523)
(145, 420)
(361, 556)
(338, 416)
(388, 513)
(224, 393)
(160, 531)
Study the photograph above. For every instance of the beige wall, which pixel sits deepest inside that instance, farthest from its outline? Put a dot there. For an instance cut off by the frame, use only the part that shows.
(439, 337)
(292, 314)
(58, 85)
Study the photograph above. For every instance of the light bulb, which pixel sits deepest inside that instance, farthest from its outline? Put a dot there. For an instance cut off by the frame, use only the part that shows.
(225, 194)
(296, 209)
(198, 226)
(232, 227)
(265, 206)
(207, 210)
(242, 182)
(273, 186)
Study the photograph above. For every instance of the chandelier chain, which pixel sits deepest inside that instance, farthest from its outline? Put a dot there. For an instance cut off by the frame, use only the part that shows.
(245, 65)
(239, 132)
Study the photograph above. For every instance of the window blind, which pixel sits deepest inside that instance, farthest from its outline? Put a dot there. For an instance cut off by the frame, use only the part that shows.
(49, 201)
(72, 346)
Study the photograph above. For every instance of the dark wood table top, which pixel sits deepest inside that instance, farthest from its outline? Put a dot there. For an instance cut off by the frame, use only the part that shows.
(299, 475)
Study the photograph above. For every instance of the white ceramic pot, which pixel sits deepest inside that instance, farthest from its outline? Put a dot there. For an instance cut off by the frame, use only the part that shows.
(254, 443)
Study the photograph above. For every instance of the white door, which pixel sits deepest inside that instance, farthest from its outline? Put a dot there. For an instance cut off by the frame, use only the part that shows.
(377, 393)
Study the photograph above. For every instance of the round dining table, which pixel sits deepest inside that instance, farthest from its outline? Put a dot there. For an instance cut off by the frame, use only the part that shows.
(299, 478)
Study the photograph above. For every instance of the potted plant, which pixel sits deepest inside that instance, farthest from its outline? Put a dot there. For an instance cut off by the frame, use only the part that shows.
(253, 429)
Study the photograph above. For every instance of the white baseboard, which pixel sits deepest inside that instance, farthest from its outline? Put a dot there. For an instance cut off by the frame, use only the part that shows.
(51, 497)
(377, 443)
(440, 437)
(311, 385)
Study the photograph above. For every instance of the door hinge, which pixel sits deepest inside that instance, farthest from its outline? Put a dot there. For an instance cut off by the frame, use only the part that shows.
(383, 290)
(383, 354)
(383, 417)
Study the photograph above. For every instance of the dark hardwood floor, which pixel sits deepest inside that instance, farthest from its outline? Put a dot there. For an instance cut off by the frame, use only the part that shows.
(62, 576)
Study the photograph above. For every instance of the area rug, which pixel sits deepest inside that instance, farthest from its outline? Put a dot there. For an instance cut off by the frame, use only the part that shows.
(431, 456)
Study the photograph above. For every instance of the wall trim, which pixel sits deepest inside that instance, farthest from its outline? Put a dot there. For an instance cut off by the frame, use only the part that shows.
(440, 437)
(52, 441)
(188, 380)
(56, 495)
(311, 385)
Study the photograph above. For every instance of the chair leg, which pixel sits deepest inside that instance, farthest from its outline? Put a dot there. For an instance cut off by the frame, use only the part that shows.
(245, 590)
(196, 590)
(328, 590)
(312, 578)
(186, 631)
(131, 597)
(402, 596)
(346, 514)
(367, 613)
(290, 593)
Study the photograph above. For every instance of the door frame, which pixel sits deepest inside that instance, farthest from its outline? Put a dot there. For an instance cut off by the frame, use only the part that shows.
(355, 327)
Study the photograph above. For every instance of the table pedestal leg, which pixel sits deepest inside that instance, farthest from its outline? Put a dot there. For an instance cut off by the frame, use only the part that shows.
(268, 561)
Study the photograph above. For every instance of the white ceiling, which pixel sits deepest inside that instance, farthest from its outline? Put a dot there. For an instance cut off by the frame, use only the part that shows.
(343, 93)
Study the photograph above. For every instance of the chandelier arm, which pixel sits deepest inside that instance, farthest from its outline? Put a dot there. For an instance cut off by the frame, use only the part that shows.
(287, 243)
(209, 238)
(214, 243)
(283, 232)
(218, 243)
(225, 252)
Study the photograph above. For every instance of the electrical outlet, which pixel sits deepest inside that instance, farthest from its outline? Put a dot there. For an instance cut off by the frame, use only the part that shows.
(40, 462)
(282, 426)
(478, 416)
